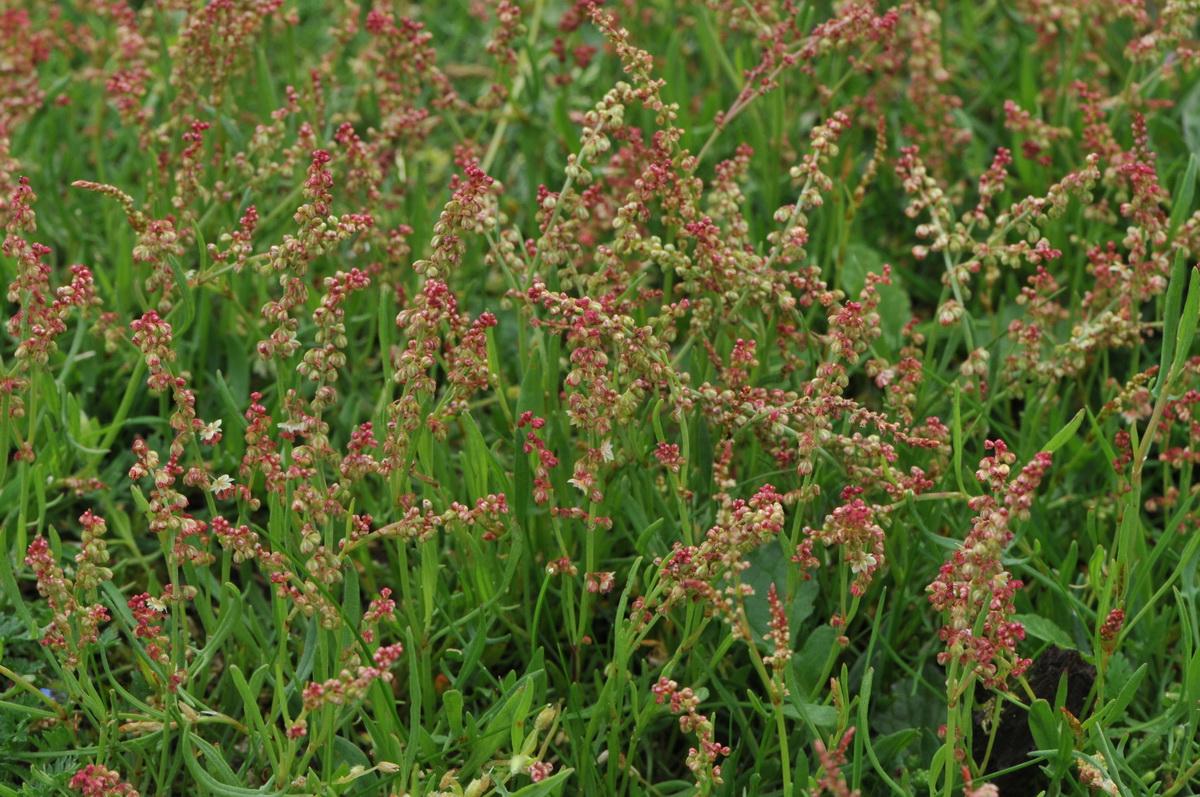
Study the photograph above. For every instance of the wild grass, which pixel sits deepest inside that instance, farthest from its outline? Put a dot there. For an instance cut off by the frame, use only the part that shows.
(524, 398)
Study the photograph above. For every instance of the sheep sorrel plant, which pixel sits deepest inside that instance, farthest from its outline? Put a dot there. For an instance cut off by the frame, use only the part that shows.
(530, 397)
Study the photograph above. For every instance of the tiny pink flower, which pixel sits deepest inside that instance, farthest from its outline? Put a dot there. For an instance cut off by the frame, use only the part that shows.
(540, 770)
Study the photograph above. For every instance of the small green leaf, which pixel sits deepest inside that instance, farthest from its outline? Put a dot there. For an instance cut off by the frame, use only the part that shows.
(231, 614)
(139, 498)
(1171, 310)
(202, 775)
(1043, 724)
(474, 458)
(249, 695)
(551, 785)
(1191, 682)
(893, 744)
(1116, 675)
(232, 410)
(1066, 433)
(189, 298)
(452, 701)
(502, 724)
(521, 713)
(648, 532)
(1187, 322)
(1181, 199)
(1116, 707)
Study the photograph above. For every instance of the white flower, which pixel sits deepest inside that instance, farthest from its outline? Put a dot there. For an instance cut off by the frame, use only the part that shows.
(863, 562)
(156, 604)
(221, 484)
(210, 431)
(606, 451)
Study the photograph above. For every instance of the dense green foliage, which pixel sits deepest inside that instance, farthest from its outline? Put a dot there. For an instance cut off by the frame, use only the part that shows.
(734, 398)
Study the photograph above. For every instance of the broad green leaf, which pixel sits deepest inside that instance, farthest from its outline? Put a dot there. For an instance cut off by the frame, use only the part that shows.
(769, 565)
(1046, 630)
(810, 657)
(895, 305)
(1043, 725)
(823, 717)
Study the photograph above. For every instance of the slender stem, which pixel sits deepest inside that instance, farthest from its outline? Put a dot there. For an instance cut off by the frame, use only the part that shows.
(33, 690)
(518, 85)
(954, 691)
(785, 755)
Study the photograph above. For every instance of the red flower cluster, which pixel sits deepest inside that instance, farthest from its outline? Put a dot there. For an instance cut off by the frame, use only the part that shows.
(974, 589)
